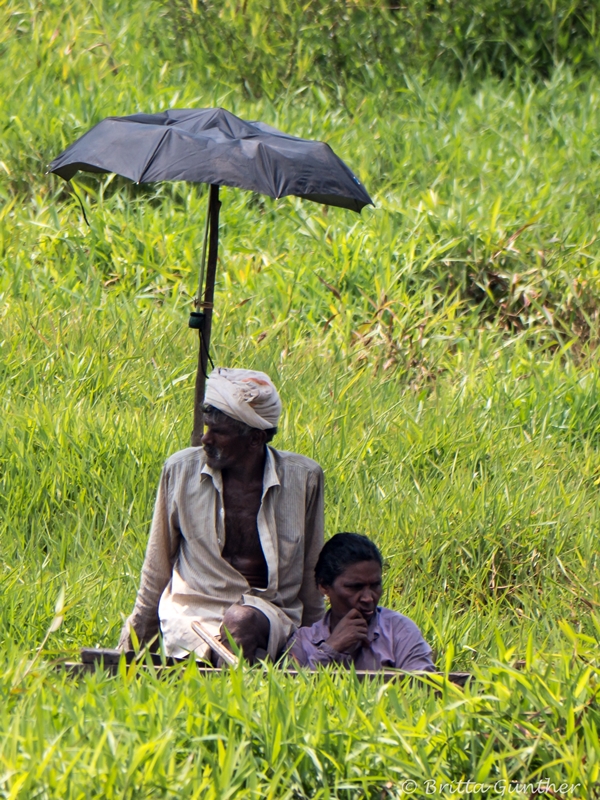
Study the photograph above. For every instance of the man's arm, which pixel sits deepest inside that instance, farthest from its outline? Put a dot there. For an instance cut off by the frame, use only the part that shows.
(312, 600)
(163, 546)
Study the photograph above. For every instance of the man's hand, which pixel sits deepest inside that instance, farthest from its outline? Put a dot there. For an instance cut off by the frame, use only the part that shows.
(349, 633)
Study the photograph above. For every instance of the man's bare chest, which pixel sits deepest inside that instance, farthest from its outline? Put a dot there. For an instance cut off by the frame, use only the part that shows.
(241, 513)
(242, 548)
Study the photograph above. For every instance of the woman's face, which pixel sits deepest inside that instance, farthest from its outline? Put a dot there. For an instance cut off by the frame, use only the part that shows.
(358, 586)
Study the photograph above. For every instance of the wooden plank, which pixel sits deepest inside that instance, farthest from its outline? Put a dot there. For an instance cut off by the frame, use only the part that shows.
(92, 658)
(90, 655)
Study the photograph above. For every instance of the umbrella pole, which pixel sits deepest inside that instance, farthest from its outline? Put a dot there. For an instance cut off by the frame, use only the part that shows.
(203, 320)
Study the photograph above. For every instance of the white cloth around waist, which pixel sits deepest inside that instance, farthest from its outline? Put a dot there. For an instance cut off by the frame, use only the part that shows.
(179, 637)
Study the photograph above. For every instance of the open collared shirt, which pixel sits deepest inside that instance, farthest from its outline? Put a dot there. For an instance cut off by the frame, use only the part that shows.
(394, 641)
(185, 577)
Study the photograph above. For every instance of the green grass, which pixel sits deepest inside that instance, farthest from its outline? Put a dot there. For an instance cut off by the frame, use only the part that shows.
(436, 355)
(254, 735)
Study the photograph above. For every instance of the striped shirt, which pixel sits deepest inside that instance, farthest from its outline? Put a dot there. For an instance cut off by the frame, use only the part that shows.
(185, 577)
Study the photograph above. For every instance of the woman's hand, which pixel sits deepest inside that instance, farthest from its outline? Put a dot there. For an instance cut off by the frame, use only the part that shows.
(349, 633)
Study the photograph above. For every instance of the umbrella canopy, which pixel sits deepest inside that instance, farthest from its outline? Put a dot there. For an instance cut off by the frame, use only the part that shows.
(211, 145)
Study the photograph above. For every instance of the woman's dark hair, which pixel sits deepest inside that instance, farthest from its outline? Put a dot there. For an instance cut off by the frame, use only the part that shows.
(342, 550)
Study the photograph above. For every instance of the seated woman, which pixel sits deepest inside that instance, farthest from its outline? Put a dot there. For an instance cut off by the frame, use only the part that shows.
(356, 630)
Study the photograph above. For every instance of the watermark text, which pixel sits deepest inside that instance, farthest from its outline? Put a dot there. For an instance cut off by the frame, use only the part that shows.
(500, 788)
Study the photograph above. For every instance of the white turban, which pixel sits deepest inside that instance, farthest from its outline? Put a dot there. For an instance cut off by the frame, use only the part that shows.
(245, 395)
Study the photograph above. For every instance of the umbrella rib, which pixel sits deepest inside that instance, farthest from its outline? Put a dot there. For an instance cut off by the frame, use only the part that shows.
(153, 156)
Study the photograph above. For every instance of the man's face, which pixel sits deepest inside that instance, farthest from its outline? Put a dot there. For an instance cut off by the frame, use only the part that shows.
(223, 444)
(358, 586)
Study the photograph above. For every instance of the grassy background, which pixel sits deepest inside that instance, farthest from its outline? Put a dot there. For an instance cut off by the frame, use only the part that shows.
(436, 355)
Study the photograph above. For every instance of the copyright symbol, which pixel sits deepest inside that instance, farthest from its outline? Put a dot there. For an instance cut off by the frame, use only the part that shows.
(409, 787)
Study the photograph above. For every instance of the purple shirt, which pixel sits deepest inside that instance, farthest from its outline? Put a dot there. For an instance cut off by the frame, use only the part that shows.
(394, 642)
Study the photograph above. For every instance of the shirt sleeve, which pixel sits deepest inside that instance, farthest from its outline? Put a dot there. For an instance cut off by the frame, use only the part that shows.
(307, 654)
(162, 550)
(313, 603)
(411, 651)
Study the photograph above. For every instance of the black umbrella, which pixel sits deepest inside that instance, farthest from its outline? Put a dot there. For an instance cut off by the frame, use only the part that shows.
(211, 145)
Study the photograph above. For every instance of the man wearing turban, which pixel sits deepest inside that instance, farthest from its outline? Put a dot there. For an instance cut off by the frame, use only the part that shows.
(236, 532)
